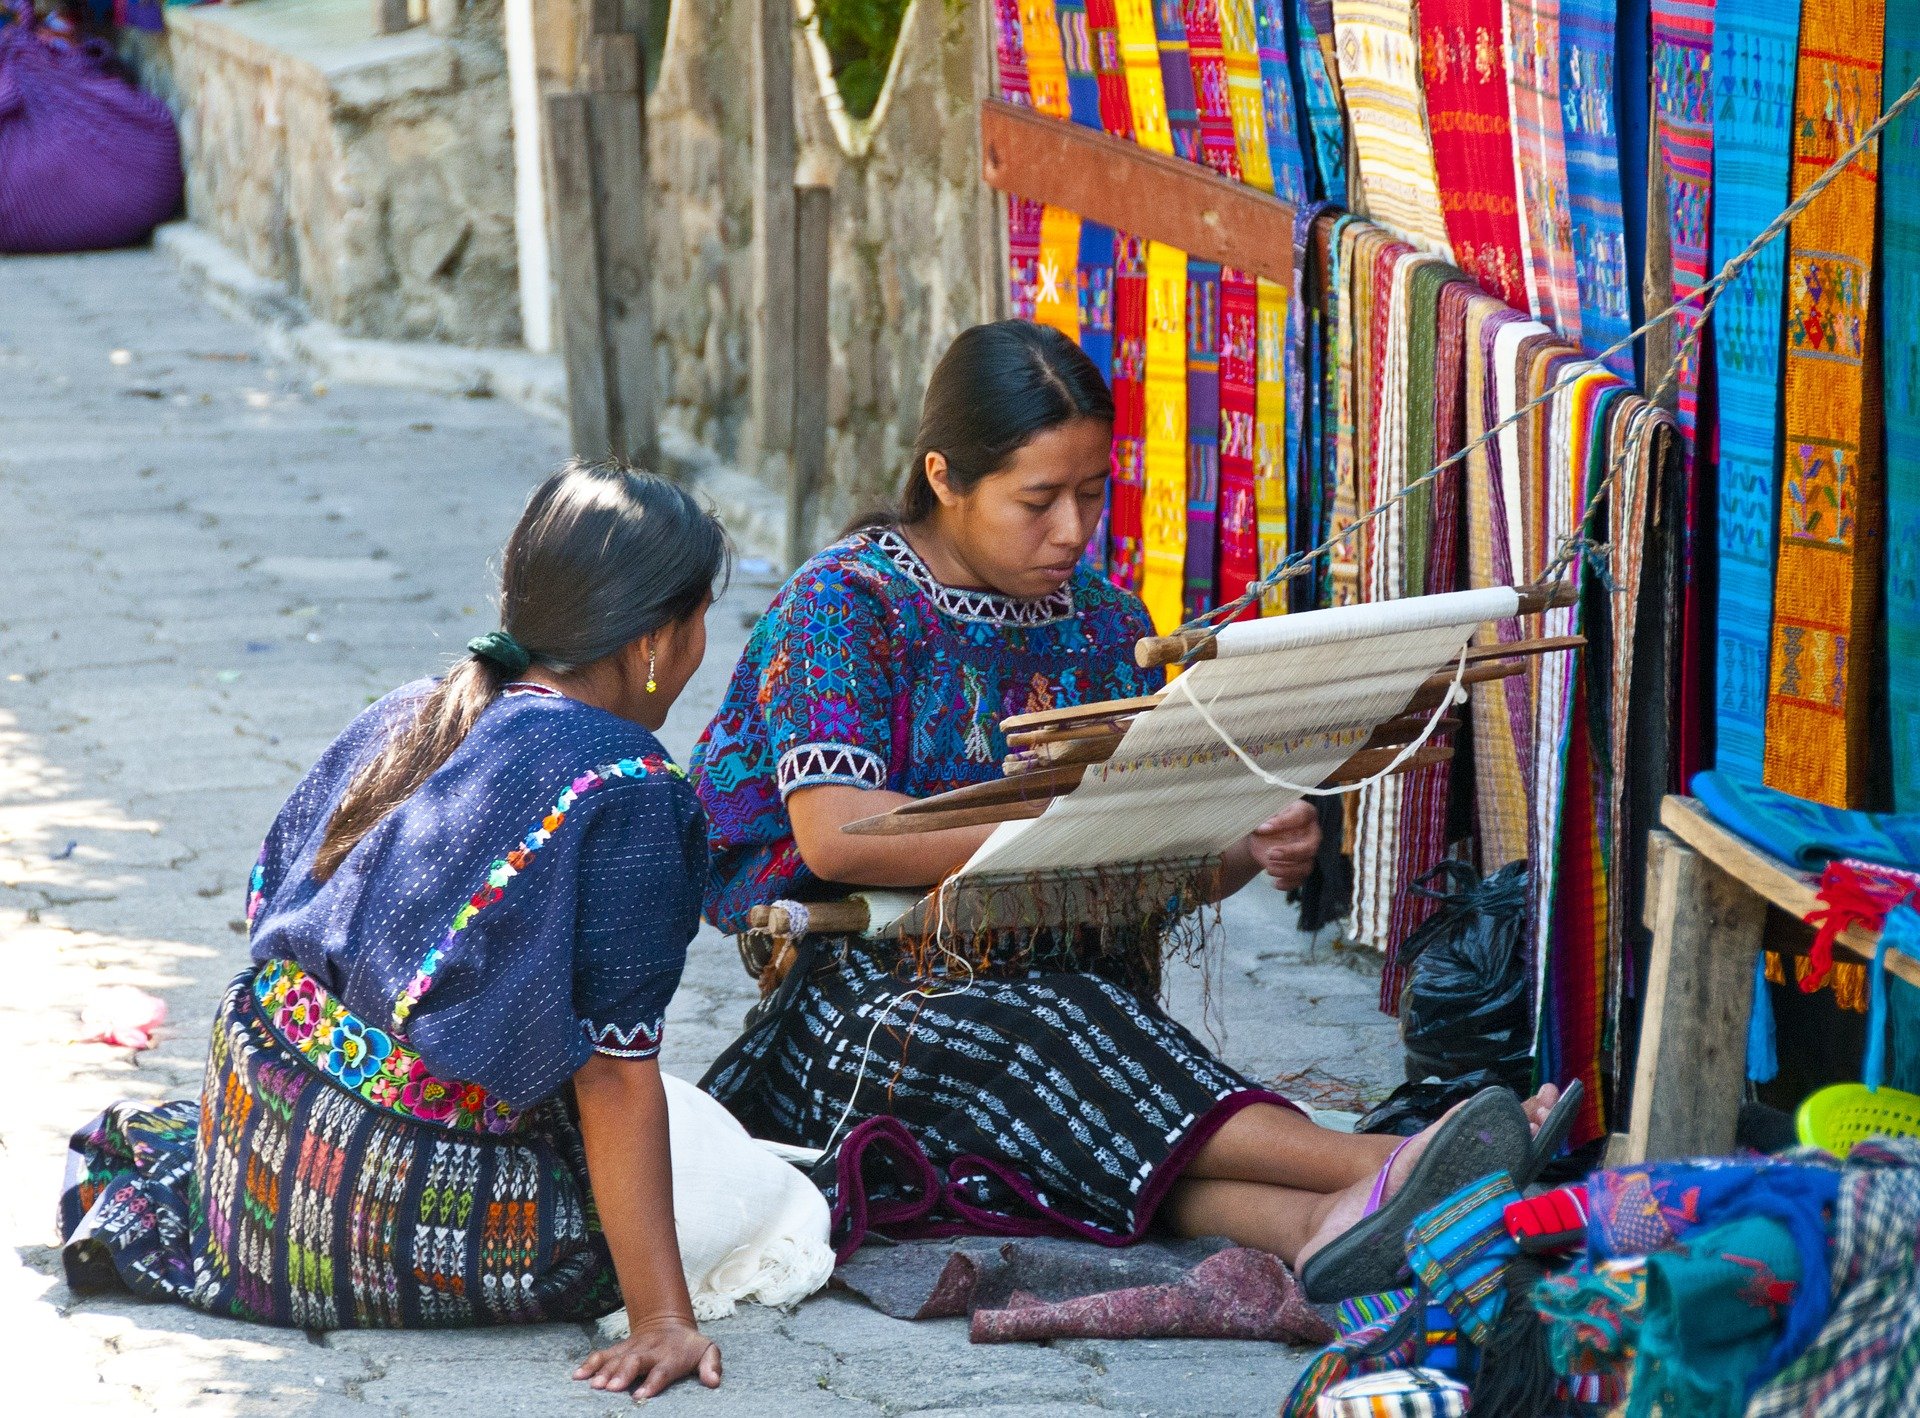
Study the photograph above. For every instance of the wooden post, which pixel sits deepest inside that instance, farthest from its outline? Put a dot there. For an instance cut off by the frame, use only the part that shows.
(1693, 1032)
(597, 152)
(577, 265)
(773, 236)
(812, 361)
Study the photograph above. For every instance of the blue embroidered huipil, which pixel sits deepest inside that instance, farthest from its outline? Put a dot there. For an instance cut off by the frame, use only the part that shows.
(867, 671)
(530, 904)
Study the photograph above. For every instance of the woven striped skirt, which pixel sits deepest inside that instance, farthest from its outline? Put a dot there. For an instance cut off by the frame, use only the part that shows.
(1054, 1103)
(284, 1197)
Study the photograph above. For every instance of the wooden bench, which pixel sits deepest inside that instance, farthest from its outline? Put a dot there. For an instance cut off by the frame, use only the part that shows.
(1706, 904)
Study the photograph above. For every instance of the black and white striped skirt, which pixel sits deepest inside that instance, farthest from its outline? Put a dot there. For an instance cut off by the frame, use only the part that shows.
(1054, 1103)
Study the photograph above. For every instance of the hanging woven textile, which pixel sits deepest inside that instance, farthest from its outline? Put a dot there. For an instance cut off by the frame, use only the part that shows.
(1164, 511)
(1827, 589)
(1496, 556)
(1219, 147)
(1632, 103)
(1109, 70)
(1270, 499)
(1076, 53)
(1683, 104)
(1239, 376)
(1540, 163)
(1593, 176)
(1140, 61)
(1465, 68)
(1056, 295)
(1046, 61)
(1203, 435)
(1379, 55)
(1278, 105)
(1319, 86)
(1124, 545)
(1900, 252)
(1246, 102)
(1176, 79)
(1755, 49)
(1023, 214)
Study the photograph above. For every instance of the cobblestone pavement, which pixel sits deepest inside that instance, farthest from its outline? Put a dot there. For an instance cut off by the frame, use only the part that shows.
(207, 565)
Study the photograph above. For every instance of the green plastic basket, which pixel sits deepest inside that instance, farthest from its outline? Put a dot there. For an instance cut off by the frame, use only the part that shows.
(1837, 1117)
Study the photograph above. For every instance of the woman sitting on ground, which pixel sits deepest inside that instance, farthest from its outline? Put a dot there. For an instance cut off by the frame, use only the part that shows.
(1048, 1094)
(433, 1099)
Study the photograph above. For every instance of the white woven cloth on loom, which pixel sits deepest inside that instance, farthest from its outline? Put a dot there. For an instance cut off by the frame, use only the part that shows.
(1299, 693)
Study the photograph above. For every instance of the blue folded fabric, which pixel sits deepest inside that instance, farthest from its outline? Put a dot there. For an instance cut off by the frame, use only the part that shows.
(1808, 834)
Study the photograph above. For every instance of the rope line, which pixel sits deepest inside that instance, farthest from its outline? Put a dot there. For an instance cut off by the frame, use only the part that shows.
(1703, 298)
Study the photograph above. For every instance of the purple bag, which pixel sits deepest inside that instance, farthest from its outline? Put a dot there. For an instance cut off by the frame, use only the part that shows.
(86, 160)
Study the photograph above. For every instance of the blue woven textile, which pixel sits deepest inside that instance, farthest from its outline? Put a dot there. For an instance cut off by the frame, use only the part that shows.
(1284, 149)
(1900, 274)
(1587, 39)
(1755, 45)
(1325, 119)
(1808, 834)
(1631, 106)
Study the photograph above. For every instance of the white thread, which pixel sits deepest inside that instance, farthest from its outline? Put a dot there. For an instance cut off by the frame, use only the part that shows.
(1454, 695)
(798, 917)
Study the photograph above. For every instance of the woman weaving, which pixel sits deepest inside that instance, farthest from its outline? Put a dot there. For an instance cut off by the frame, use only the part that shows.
(1049, 1095)
(434, 1098)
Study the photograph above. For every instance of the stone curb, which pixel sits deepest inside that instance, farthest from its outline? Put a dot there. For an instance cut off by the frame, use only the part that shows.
(754, 515)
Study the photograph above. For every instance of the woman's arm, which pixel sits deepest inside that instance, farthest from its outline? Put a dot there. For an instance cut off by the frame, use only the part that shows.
(623, 1120)
(911, 859)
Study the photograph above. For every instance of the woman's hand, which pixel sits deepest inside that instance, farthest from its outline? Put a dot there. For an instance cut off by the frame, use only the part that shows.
(1286, 844)
(656, 1358)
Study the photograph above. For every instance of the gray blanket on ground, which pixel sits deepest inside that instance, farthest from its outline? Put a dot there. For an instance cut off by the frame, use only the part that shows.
(1042, 1288)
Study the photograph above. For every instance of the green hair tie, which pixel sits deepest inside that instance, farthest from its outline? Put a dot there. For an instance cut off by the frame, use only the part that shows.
(501, 648)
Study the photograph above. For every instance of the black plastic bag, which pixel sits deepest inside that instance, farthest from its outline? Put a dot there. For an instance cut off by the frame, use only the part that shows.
(1466, 1007)
(1414, 1107)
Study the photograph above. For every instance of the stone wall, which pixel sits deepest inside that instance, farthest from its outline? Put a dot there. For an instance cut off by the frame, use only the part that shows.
(913, 231)
(371, 173)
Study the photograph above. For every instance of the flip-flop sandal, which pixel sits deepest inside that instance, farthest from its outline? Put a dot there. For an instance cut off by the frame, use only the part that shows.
(1553, 1132)
(1488, 1134)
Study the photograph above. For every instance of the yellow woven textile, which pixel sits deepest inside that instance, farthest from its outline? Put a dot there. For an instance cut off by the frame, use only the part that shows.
(1046, 61)
(1270, 439)
(1164, 514)
(1240, 44)
(1379, 49)
(1056, 299)
(1827, 585)
(1146, 92)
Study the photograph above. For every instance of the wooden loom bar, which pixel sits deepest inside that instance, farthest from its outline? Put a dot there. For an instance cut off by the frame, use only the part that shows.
(823, 917)
(1156, 650)
(1132, 189)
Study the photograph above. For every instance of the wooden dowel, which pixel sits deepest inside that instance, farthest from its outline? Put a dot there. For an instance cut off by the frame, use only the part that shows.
(1075, 713)
(1154, 651)
(1039, 785)
(823, 918)
(894, 824)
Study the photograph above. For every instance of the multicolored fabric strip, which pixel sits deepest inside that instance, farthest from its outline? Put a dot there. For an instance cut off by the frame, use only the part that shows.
(1176, 79)
(1125, 546)
(1056, 294)
(1203, 436)
(375, 1066)
(1464, 65)
(1164, 510)
(1023, 214)
(1827, 583)
(1379, 54)
(1318, 70)
(1246, 97)
(1239, 378)
(1900, 278)
(1219, 148)
(1146, 84)
(1683, 101)
(1540, 163)
(1755, 48)
(1281, 110)
(1110, 73)
(1270, 443)
(1592, 138)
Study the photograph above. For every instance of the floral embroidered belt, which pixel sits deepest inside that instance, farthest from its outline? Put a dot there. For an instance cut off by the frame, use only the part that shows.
(378, 1067)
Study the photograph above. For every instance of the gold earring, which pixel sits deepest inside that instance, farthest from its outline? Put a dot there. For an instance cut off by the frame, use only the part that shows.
(652, 684)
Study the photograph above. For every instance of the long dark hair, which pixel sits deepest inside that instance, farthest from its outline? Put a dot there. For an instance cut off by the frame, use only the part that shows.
(995, 388)
(603, 555)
